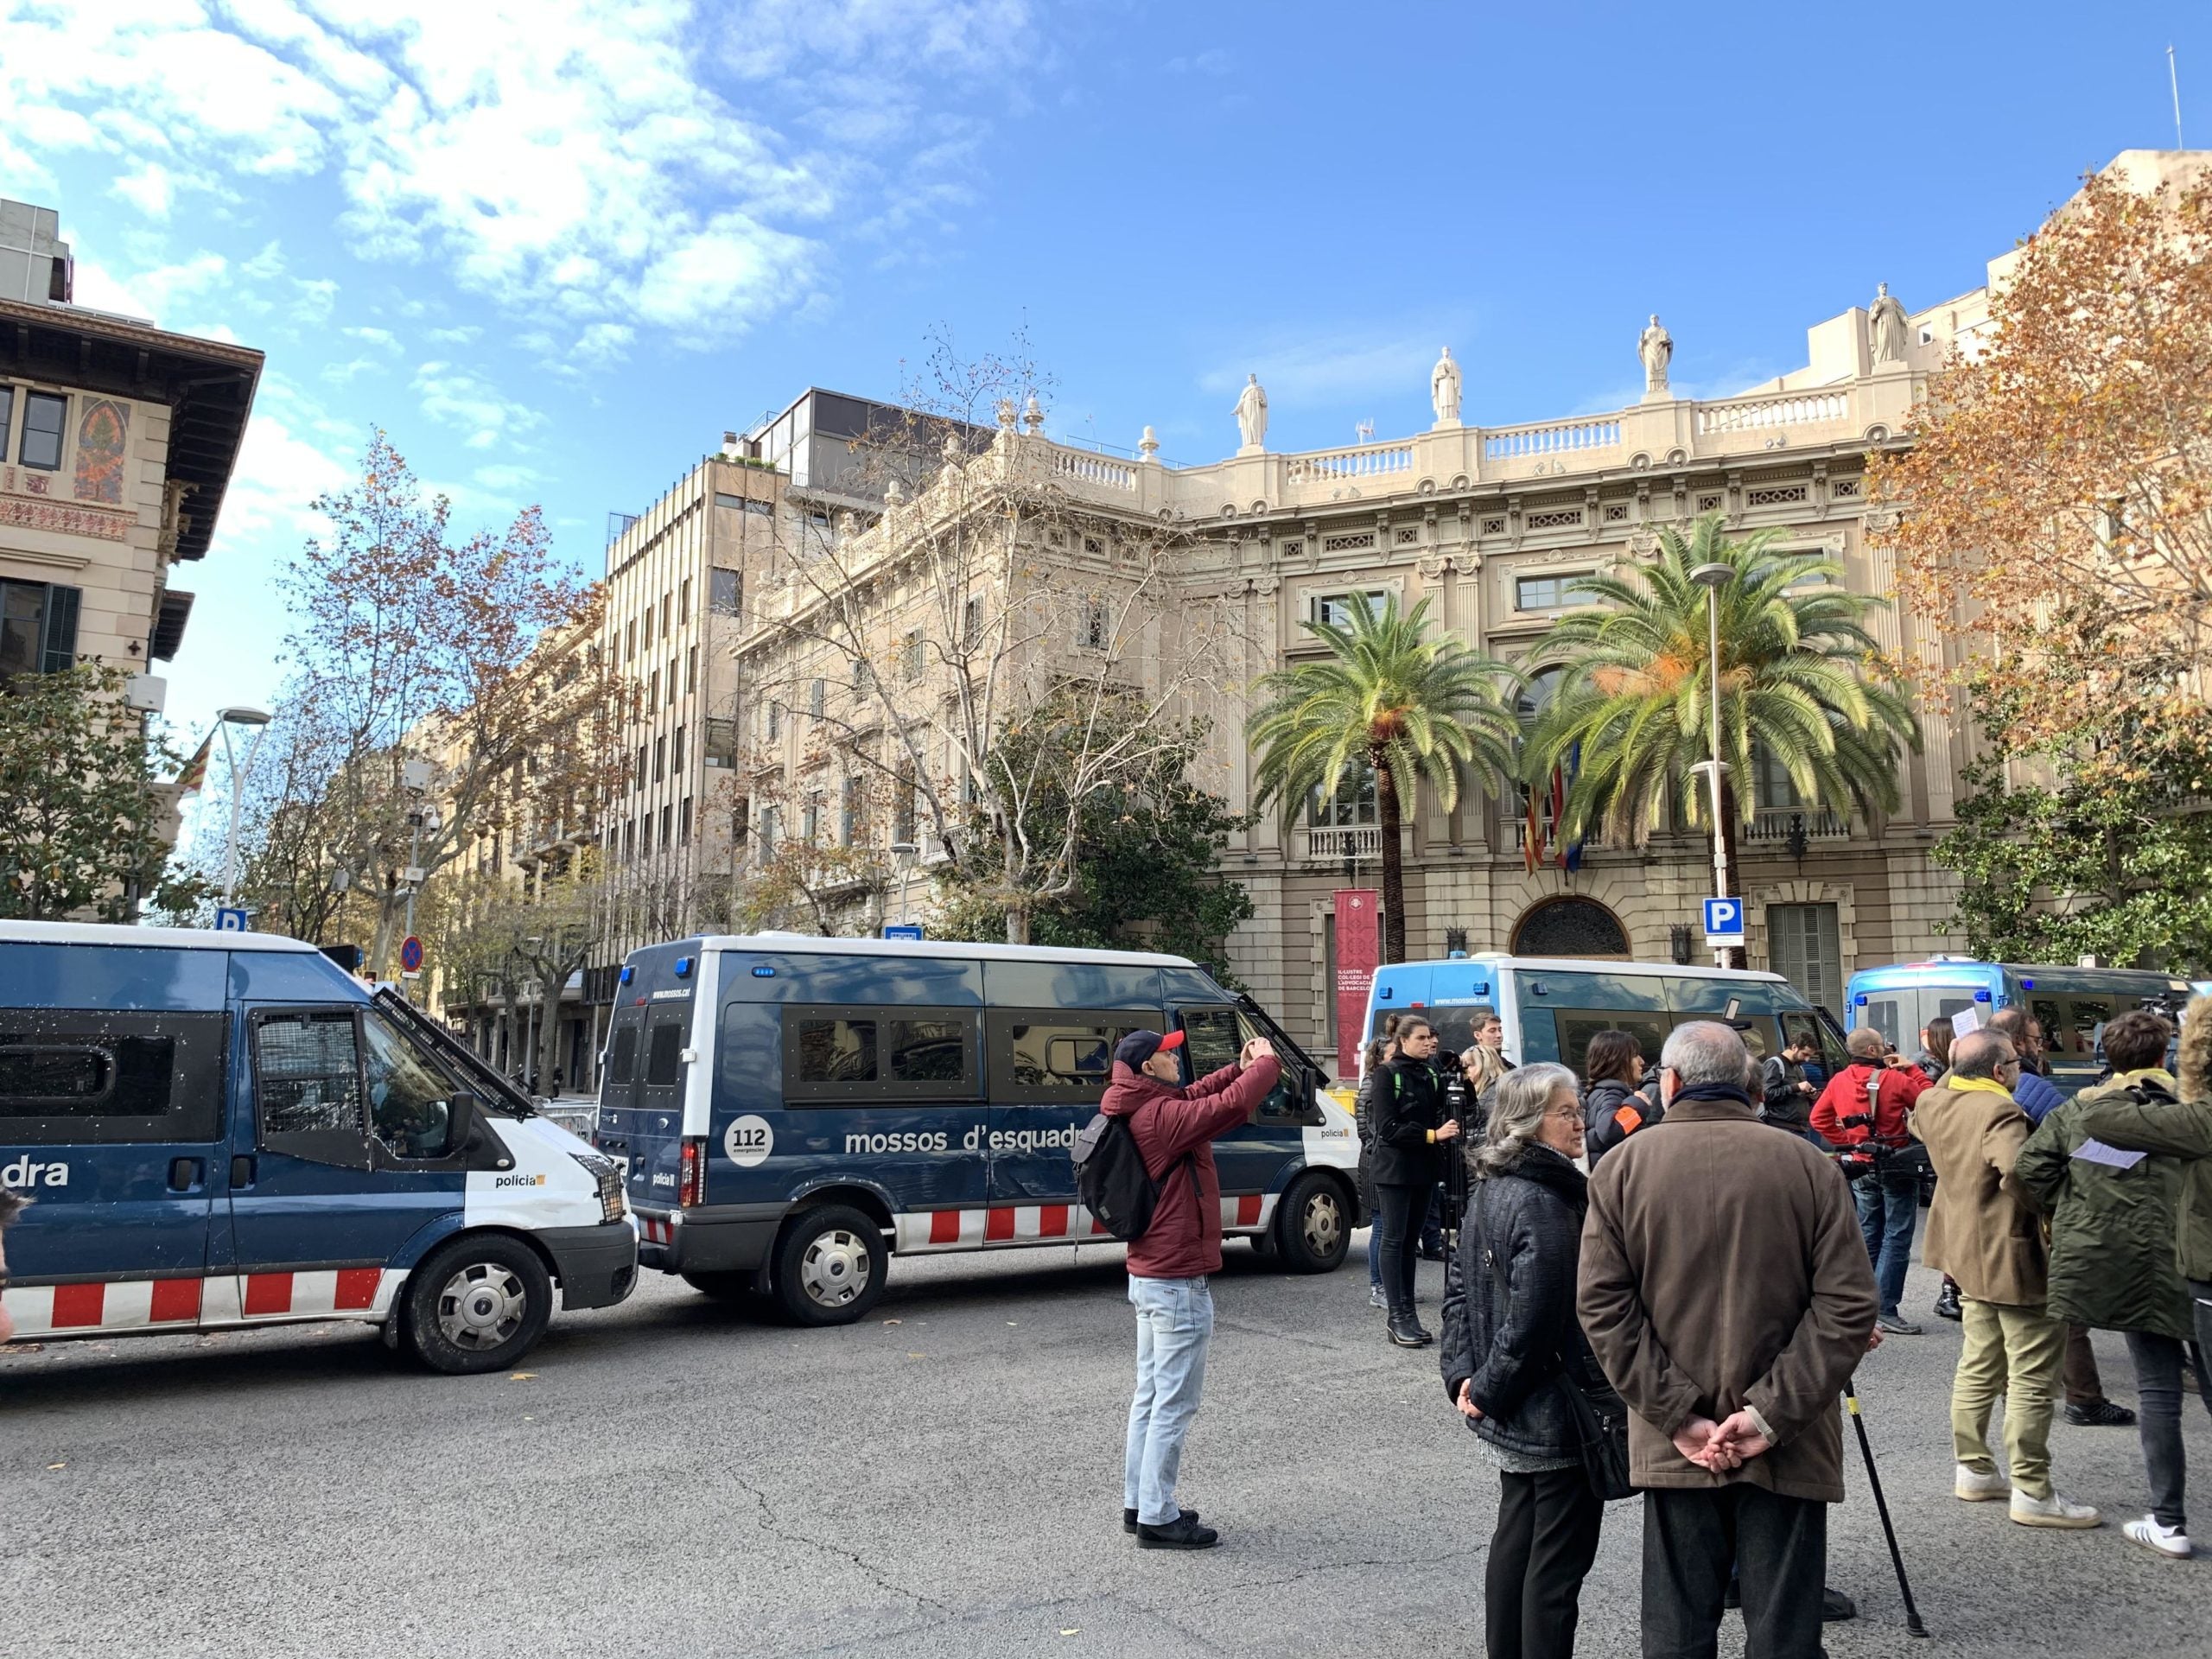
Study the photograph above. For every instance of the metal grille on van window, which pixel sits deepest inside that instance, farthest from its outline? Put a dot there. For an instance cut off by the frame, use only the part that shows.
(664, 1058)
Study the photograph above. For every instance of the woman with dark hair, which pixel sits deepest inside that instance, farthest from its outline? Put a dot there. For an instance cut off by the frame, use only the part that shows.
(1614, 1105)
(1384, 1047)
(1512, 1346)
(1935, 1057)
(1413, 1133)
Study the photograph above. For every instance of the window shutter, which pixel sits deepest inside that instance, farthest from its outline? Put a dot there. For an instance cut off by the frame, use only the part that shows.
(61, 645)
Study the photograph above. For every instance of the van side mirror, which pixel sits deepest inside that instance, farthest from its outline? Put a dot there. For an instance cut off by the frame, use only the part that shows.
(464, 1115)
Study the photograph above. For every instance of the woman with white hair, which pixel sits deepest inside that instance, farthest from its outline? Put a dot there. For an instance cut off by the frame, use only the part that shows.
(1512, 1346)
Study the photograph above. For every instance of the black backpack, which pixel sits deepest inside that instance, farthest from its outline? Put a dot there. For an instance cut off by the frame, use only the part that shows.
(1111, 1177)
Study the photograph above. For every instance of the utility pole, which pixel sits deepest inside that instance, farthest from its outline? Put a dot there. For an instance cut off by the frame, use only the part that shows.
(2173, 80)
(1712, 578)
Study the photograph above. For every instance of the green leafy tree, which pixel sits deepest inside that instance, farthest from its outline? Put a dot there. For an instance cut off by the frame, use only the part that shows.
(1388, 698)
(2106, 851)
(81, 814)
(1801, 680)
(1146, 850)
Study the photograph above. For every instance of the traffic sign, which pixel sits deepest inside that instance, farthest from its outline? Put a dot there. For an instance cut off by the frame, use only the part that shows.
(902, 929)
(410, 954)
(230, 921)
(1723, 921)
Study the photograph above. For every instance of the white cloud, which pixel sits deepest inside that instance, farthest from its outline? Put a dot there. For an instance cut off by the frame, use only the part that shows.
(1213, 61)
(561, 157)
(469, 404)
(382, 337)
(463, 335)
(1310, 371)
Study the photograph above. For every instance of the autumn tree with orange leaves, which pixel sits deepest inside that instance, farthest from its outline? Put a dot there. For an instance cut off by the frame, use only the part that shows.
(2057, 505)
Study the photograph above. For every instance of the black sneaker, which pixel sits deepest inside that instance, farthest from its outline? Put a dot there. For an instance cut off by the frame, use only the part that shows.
(1129, 1518)
(1835, 1606)
(1182, 1533)
(2103, 1415)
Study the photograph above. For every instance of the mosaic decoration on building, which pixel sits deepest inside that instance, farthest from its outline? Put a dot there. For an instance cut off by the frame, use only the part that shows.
(69, 521)
(100, 450)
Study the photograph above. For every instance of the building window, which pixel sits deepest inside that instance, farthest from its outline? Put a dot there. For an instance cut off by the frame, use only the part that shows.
(38, 628)
(1549, 593)
(630, 641)
(676, 753)
(720, 741)
(726, 592)
(645, 636)
(683, 820)
(848, 814)
(672, 682)
(1804, 946)
(1770, 781)
(771, 825)
(667, 823)
(971, 624)
(810, 822)
(910, 658)
(1570, 927)
(1092, 628)
(684, 606)
(1353, 803)
(818, 697)
(1335, 610)
(45, 415)
(734, 502)
(691, 671)
(7, 409)
(652, 689)
(638, 782)
(660, 758)
(664, 616)
(775, 722)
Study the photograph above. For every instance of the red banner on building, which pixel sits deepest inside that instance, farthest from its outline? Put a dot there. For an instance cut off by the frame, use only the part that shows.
(1359, 947)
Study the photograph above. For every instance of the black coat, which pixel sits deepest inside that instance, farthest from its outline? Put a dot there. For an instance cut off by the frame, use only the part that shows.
(1509, 1348)
(1602, 1128)
(1409, 1103)
(1780, 1102)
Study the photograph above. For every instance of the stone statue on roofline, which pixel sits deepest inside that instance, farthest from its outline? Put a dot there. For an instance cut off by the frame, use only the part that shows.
(1656, 347)
(1252, 413)
(1887, 327)
(1443, 390)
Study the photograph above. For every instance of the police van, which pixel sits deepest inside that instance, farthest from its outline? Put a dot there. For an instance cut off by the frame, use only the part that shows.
(793, 1111)
(219, 1130)
(1551, 1006)
(2070, 1004)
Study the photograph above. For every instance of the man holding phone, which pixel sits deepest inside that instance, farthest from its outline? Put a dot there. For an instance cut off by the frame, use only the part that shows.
(1175, 1129)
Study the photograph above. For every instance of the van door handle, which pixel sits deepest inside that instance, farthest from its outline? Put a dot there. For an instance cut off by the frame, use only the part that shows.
(185, 1174)
(242, 1171)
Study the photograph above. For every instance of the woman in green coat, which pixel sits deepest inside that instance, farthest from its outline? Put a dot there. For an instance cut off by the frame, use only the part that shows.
(2112, 1265)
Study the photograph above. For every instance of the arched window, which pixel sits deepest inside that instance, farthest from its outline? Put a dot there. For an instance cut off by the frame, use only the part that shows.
(1570, 927)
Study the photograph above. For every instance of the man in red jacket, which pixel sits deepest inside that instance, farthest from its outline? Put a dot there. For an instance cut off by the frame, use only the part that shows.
(1865, 1105)
(1175, 1129)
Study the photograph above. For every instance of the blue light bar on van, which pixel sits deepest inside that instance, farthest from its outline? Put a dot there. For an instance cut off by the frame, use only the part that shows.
(1982, 996)
(626, 971)
(1860, 999)
(2027, 984)
(1383, 996)
(684, 966)
(764, 972)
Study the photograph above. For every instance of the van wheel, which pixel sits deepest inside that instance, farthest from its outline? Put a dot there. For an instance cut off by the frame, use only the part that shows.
(478, 1304)
(830, 1266)
(1313, 1224)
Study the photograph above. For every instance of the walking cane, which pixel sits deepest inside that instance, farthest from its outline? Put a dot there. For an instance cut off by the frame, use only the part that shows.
(1912, 1624)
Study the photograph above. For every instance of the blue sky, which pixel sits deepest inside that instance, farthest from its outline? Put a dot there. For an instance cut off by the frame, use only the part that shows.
(556, 248)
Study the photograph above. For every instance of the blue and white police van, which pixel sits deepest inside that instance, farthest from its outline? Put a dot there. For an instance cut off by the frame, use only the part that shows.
(793, 1111)
(1551, 1006)
(217, 1130)
(2070, 1004)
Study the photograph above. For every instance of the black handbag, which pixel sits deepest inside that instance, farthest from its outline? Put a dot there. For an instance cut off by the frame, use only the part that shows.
(1600, 1433)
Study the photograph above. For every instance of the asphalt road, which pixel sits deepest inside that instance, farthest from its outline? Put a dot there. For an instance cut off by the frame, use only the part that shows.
(674, 1476)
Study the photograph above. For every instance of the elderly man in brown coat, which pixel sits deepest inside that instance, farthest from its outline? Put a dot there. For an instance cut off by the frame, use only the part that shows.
(1985, 1231)
(1725, 1290)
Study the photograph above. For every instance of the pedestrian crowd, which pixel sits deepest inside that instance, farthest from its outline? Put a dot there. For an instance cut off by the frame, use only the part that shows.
(1652, 1291)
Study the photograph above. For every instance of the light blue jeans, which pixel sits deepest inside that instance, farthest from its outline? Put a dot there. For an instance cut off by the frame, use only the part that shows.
(1174, 1324)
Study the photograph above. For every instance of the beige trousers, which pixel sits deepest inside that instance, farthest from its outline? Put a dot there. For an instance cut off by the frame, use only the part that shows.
(2016, 1352)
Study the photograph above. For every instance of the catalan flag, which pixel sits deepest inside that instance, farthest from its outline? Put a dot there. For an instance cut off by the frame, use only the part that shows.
(195, 775)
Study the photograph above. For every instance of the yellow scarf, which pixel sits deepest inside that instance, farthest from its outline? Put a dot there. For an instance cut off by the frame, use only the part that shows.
(1980, 1085)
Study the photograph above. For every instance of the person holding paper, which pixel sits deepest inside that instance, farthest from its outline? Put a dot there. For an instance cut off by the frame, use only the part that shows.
(2114, 1216)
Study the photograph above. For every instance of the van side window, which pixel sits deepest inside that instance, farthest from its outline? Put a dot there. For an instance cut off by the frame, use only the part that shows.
(87, 1075)
(410, 1096)
(1578, 1026)
(1211, 1037)
(870, 1054)
(309, 1072)
(1055, 1057)
(665, 1055)
(622, 1061)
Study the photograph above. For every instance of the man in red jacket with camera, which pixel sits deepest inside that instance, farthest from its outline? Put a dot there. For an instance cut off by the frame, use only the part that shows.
(1175, 1129)
(1864, 1110)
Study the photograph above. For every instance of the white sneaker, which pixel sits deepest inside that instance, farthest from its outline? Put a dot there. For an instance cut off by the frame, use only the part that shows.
(2053, 1511)
(1971, 1486)
(2167, 1541)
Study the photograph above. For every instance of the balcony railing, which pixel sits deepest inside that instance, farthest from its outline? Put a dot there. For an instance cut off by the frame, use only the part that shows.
(1370, 462)
(1356, 841)
(1551, 438)
(1752, 414)
(1774, 824)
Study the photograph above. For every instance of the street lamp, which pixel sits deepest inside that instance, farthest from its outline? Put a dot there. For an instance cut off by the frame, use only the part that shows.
(225, 719)
(1712, 578)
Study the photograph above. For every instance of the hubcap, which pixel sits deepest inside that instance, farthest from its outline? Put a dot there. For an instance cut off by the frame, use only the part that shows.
(834, 1270)
(482, 1307)
(1323, 1224)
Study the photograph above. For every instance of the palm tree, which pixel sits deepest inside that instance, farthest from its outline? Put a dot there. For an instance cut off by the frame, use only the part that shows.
(1801, 680)
(1390, 701)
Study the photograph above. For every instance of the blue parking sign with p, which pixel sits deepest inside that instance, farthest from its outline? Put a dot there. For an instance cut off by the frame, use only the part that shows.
(1723, 921)
(230, 921)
